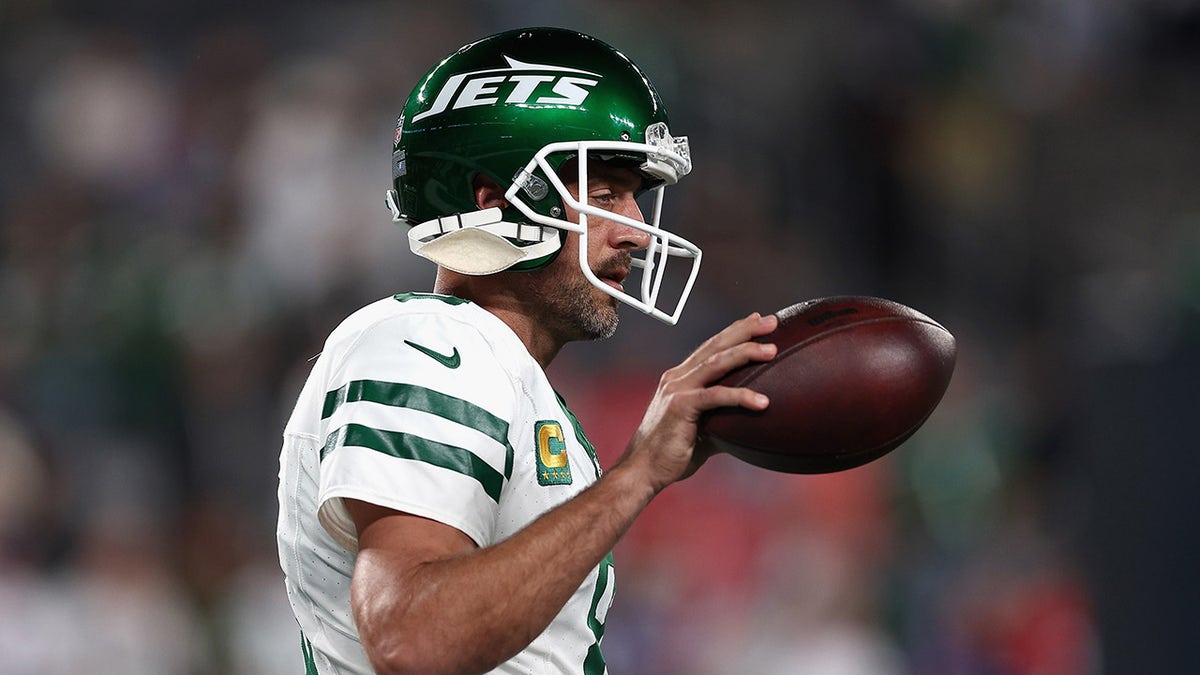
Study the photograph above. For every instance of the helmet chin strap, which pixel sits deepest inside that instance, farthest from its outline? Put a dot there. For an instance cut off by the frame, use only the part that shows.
(477, 243)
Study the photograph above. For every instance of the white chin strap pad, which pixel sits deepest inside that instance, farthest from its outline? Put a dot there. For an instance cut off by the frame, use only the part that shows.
(478, 243)
(471, 251)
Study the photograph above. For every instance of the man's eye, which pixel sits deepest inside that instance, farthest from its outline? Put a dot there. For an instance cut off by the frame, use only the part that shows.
(603, 198)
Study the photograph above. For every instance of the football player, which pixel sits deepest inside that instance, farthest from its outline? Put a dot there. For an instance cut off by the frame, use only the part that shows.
(441, 510)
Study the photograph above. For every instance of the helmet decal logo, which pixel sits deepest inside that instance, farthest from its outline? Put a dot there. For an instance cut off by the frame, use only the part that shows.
(518, 84)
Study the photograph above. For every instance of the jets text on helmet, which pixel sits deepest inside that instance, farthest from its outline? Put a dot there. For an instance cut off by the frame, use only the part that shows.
(518, 84)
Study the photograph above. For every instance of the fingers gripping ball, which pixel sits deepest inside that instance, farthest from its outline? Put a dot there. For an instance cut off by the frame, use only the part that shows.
(854, 378)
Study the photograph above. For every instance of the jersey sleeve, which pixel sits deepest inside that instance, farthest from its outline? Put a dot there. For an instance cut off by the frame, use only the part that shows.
(416, 419)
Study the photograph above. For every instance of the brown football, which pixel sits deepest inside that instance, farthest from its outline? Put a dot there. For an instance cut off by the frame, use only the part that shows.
(854, 378)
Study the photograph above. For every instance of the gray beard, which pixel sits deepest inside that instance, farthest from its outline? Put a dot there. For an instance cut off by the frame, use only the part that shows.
(588, 321)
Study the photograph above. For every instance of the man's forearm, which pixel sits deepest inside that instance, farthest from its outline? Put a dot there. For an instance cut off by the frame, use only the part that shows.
(471, 611)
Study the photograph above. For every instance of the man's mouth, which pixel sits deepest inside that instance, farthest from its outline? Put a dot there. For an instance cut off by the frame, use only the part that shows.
(614, 277)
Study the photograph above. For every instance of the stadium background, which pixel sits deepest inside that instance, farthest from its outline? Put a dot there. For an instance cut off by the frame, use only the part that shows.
(191, 197)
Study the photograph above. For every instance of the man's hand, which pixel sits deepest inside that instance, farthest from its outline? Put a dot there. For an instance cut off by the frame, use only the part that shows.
(664, 445)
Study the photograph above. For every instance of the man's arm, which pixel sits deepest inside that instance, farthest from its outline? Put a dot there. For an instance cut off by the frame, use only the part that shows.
(426, 599)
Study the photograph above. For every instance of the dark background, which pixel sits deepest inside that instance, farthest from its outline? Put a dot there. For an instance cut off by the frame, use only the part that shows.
(191, 197)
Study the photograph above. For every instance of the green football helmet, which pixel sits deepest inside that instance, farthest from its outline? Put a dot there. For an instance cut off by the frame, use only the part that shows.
(516, 106)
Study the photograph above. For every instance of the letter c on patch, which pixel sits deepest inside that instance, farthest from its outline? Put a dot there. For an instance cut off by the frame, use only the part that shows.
(552, 445)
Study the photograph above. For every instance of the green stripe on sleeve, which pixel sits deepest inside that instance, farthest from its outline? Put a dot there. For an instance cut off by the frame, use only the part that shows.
(310, 662)
(415, 397)
(407, 446)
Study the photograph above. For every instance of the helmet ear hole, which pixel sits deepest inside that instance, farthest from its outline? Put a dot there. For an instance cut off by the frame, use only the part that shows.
(488, 193)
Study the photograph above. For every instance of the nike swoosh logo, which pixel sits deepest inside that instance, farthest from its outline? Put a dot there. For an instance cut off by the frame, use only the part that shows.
(451, 360)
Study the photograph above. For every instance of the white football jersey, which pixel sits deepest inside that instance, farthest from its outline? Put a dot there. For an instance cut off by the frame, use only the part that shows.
(429, 405)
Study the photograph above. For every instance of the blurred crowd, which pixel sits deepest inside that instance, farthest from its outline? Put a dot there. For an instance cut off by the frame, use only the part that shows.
(191, 197)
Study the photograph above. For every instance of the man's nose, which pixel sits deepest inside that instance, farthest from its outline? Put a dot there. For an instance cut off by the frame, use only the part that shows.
(625, 236)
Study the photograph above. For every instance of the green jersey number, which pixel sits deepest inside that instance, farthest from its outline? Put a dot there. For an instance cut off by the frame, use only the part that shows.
(601, 600)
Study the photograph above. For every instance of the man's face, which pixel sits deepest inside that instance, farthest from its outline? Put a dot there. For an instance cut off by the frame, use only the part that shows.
(579, 309)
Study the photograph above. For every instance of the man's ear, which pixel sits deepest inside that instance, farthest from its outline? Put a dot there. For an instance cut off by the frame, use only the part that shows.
(488, 192)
